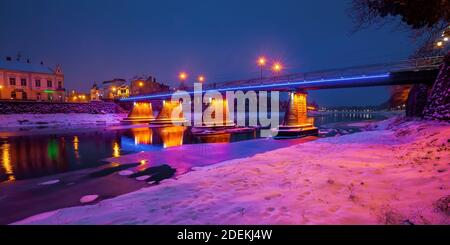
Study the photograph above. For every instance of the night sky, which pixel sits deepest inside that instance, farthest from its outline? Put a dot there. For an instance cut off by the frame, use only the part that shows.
(98, 40)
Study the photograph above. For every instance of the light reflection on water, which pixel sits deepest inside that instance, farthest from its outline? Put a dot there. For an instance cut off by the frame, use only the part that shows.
(345, 117)
(24, 157)
(33, 156)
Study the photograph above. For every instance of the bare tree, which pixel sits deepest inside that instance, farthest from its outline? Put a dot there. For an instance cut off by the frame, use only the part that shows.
(427, 20)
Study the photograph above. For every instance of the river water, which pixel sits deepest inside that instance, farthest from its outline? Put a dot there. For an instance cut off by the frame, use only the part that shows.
(36, 155)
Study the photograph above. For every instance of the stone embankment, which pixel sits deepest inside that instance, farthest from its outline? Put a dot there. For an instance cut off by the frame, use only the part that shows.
(15, 107)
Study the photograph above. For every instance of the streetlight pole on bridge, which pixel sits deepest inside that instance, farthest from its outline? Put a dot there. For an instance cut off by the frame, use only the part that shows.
(261, 64)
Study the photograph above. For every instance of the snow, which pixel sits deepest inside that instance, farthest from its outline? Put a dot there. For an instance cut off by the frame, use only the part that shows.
(50, 182)
(398, 173)
(126, 172)
(143, 177)
(23, 66)
(9, 121)
(88, 198)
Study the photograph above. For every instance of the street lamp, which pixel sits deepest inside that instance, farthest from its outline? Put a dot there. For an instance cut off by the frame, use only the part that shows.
(201, 78)
(182, 76)
(261, 64)
(277, 67)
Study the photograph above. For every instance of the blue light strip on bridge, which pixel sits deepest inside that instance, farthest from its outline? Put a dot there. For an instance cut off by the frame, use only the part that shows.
(286, 84)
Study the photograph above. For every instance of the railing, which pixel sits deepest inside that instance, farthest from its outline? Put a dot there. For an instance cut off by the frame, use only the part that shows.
(428, 63)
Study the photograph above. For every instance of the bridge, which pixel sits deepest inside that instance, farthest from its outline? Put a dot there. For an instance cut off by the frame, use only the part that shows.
(413, 71)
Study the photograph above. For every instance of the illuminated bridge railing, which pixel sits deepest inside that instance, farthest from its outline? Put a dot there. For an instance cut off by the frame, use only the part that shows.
(368, 71)
(429, 63)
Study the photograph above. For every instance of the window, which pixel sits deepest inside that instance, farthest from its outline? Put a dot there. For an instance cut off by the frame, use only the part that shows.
(12, 81)
(38, 95)
(23, 82)
(59, 84)
(49, 83)
(13, 95)
(37, 82)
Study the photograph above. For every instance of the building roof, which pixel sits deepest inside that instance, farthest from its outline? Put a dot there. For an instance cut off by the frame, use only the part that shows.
(23, 66)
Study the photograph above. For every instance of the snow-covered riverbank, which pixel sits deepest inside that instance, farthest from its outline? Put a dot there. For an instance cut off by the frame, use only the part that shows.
(398, 173)
(11, 121)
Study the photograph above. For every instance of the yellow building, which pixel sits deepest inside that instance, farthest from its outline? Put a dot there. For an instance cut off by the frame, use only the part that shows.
(115, 89)
(25, 81)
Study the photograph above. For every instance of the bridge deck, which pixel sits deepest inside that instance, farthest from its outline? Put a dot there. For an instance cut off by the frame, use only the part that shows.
(422, 70)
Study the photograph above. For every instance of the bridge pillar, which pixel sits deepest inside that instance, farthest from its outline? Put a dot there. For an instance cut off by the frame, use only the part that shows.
(141, 112)
(219, 106)
(296, 114)
(296, 121)
(166, 114)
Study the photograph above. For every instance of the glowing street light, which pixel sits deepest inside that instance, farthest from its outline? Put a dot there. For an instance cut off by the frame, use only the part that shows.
(182, 76)
(141, 84)
(277, 67)
(439, 44)
(261, 61)
(261, 64)
(201, 78)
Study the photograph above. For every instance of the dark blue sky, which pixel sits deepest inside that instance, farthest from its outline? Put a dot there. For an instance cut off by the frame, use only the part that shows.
(97, 40)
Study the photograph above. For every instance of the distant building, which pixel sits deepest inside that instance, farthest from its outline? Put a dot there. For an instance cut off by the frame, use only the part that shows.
(147, 86)
(120, 88)
(115, 89)
(25, 81)
(77, 97)
(95, 93)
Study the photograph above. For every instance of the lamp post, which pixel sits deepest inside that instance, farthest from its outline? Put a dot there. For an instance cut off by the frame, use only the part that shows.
(261, 64)
(182, 76)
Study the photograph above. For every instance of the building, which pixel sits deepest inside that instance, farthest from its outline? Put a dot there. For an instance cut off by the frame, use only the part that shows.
(115, 89)
(95, 93)
(120, 88)
(26, 81)
(77, 97)
(147, 85)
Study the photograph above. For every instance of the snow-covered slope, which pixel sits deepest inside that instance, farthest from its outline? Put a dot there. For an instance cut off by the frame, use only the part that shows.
(395, 174)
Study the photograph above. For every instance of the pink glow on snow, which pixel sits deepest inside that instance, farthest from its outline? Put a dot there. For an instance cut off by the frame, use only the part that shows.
(391, 175)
